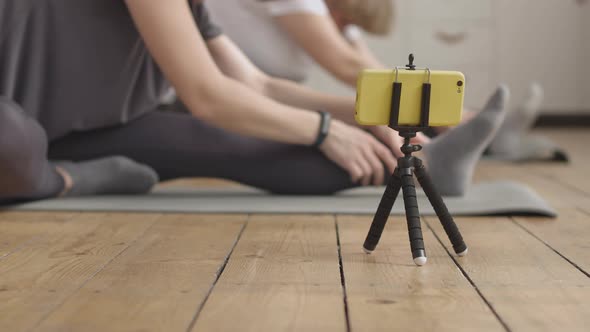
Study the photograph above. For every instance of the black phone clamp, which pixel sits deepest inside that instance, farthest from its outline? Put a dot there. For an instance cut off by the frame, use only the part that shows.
(402, 179)
(397, 94)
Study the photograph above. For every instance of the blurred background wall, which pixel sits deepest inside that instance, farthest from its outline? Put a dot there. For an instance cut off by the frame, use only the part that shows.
(492, 41)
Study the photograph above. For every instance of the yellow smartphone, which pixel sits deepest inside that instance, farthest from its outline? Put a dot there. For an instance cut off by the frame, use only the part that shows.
(375, 89)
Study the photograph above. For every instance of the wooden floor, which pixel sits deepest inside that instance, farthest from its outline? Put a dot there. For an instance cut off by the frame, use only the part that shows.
(152, 272)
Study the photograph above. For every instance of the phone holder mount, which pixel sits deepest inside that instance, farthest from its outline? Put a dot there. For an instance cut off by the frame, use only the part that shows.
(402, 179)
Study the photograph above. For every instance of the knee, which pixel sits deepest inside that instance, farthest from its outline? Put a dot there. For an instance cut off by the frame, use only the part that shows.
(12, 135)
(22, 143)
(20, 135)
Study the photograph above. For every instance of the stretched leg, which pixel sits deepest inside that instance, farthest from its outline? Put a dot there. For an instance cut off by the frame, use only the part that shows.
(517, 124)
(25, 172)
(451, 157)
(177, 145)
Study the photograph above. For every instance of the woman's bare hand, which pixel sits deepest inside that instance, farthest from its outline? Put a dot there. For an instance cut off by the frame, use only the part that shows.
(359, 153)
(389, 137)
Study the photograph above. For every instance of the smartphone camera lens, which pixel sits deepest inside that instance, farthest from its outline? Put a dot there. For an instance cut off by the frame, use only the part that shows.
(459, 83)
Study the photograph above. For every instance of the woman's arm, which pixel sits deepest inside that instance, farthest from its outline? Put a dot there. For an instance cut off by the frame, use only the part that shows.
(322, 40)
(361, 47)
(233, 63)
(289, 92)
(171, 35)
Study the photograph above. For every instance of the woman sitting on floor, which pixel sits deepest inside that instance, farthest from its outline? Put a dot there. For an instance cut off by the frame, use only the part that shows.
(80, 82)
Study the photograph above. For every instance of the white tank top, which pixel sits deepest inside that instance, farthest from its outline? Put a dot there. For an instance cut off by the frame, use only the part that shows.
(251, 25)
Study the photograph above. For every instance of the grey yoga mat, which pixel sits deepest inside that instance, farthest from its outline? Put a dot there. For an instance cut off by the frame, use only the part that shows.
(489, 198)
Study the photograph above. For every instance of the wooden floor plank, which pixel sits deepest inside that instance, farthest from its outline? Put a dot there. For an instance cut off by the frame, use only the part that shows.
(387, 292)
(569, 234)
(17, 229)
(530, 286)
(158, 283)
(575, 173)
(283, 276)
(109, 272)
(564, 185)
(39, 277)
(559, 195)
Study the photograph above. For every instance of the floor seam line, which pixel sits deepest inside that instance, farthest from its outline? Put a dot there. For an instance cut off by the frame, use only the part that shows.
(471, 282)
(563, 184)
(550, 247)
(583, 210)
(23, 245)
(32, 240)
(342, 278)
(94, 274)
(218, 275)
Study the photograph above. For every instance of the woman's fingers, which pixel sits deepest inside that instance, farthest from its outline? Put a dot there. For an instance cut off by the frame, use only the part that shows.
(376, 167)
(385, 155)
(420, 139)
(367, 170)
(390, 138)
(375, 156)
(359, 153)
(355, 171)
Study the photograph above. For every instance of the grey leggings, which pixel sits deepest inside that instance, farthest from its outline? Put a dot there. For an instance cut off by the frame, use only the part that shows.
(175, 145)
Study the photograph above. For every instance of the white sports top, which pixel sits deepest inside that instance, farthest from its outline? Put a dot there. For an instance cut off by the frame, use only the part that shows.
(251, 25)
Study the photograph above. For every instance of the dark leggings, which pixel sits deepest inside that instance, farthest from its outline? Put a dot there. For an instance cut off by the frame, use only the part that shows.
(175, 145)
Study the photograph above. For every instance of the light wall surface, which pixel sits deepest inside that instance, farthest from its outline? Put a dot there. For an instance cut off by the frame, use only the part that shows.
(492, 42)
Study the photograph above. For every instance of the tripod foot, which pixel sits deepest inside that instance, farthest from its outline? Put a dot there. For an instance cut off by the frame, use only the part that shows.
(419, 257)
(463, 253)
(367, 251)
(420, 261)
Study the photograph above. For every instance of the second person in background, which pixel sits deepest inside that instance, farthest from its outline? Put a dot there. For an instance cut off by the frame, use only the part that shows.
(283, 37)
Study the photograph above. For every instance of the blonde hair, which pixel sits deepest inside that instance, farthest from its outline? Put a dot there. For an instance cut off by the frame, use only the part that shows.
(373, 16)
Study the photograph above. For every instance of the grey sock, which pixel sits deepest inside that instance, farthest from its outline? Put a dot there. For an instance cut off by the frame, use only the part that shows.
(110, 175)
(517, 124)
(451, 158)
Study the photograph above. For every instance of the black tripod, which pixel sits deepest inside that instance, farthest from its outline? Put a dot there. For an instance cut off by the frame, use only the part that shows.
(402, 178)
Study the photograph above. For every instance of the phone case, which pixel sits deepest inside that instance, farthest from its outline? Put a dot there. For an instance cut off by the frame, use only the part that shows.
(374, 90)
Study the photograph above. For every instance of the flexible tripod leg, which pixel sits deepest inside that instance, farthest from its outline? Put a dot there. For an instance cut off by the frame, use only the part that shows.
(441, 209)
(413, 218)
(383, 212)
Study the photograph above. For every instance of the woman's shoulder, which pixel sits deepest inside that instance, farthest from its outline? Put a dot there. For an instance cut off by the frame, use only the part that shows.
(285, 7)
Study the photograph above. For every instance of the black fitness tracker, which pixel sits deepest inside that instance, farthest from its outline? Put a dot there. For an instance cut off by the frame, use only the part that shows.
(324, 128)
